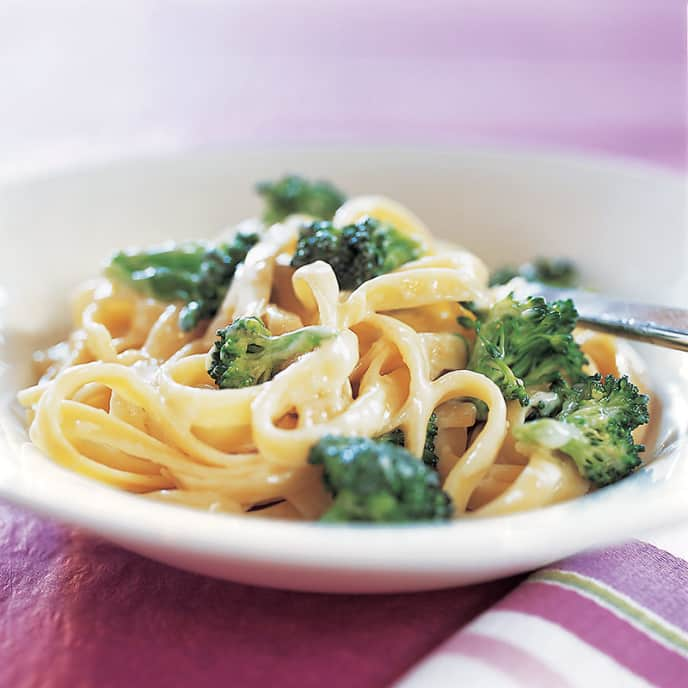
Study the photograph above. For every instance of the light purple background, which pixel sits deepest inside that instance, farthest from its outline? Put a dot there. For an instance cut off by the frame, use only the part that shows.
(85, 81)
(89, 81)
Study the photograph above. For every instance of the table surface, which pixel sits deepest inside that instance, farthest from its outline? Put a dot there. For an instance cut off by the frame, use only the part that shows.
(87, 82)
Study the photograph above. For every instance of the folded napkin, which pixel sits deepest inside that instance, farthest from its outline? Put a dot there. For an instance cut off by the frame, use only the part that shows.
(616, 617)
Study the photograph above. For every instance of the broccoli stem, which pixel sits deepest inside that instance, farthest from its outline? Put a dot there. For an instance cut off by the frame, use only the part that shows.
(246, 353)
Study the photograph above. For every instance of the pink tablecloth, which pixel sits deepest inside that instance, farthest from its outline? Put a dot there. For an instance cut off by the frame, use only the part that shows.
(83, 82)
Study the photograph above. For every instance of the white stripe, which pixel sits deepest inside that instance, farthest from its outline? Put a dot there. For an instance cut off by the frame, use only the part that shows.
(563, 652)
(444, 670)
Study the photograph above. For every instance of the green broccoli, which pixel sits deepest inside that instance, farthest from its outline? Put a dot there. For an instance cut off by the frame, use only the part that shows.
(196, 273)
(594, 427)
(378, 482)
(245, 352)
(557, 272)
(520, 345)
(429, 457)
(293, 194)
(356, 252)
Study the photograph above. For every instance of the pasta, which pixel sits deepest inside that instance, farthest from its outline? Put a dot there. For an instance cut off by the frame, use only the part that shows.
(127, 400)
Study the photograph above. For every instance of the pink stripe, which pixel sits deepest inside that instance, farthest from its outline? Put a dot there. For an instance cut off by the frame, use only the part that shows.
(516, 663)
(601, 629)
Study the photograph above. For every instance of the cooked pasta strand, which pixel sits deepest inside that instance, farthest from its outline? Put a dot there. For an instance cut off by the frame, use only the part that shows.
(127, 399)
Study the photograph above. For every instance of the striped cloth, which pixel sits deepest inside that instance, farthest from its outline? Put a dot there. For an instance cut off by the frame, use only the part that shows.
(618, 617)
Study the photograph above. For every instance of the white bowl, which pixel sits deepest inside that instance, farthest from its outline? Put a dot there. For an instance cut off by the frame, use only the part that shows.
(623, 223)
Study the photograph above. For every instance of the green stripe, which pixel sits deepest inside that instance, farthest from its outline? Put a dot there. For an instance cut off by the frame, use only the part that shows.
(623, 606)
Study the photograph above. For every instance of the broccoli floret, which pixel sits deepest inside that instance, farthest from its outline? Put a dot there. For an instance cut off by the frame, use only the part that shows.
(429, 457)
(356, 252)
(294, 194)
(520, 345)
(594, 427)
(196, 273)
(245, 353)
(557, 272)
(378, 482)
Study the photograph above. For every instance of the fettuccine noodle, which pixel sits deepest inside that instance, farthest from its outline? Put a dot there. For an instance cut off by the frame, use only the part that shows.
(127, 399)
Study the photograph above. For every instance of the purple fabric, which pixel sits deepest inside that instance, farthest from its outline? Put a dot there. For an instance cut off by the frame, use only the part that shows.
(625, 568)
(76, 611)
(83, 83)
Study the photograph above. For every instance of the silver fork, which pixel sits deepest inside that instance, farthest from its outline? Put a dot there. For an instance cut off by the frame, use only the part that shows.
(659, 325)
